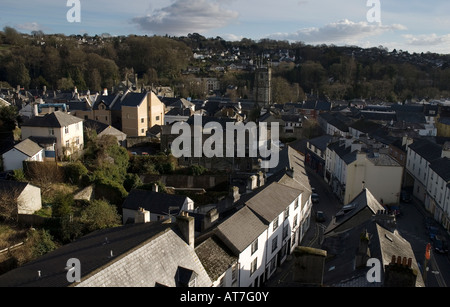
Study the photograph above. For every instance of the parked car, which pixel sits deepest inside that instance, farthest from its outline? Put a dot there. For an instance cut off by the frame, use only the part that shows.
(440, 245)
(433, 232)
(405, 196)
(315, 198)
(320, 217)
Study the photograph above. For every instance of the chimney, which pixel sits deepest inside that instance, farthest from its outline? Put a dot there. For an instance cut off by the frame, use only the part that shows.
(105, 92)
(399, 273)
(252, 183)
(186, 225)
(386, 220)
(155, 187)
(261, 179)
(446, 150)
(210, 219)
(234, 194)
(309, 265)
(290, 172)
(142, 216)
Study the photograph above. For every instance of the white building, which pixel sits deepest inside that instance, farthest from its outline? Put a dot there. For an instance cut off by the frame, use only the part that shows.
(350, 166)
(419, 156)
(65, 129)
(26, 150)
(437, 200)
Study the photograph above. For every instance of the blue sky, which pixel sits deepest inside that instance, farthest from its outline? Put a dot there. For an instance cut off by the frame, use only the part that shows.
(415, 26)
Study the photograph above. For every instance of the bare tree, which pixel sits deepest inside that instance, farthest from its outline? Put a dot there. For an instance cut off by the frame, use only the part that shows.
(9, 204)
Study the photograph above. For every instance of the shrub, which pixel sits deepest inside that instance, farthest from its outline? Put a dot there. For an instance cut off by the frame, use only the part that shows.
(100, 215)
(74, 172)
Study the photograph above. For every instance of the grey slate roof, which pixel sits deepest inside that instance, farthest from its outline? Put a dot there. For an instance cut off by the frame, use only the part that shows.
(28, 147)
(321, 142)
(426, 149)
(56, 119)
(442, 168)
(365, 200)
(154, 202)
(240, 230)
(143, 255)
(272, 201)
(215, 257)
(133, 99)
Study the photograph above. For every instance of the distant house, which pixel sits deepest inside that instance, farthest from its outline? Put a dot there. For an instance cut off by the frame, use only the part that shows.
(102, 129)
(65, 129)
(160, 205)
(27, 196)
(27, 150)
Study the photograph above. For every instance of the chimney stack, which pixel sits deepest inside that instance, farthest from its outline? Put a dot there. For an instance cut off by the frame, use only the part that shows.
(186, 225)
(142, 216)
(399, 273)
(105, 92)
(155, 187)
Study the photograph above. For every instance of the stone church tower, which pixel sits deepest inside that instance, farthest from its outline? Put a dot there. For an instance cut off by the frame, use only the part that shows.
(263, 85)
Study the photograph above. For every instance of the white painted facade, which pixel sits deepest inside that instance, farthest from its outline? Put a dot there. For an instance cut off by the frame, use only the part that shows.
(68, 139)
(13, 159)
(29, 201)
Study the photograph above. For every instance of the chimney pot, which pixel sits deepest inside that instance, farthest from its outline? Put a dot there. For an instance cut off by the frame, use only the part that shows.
(399, 260)
(393, 259)
(409, 262)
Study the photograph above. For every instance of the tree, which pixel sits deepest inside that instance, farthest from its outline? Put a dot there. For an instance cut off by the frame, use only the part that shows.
(100, 215)
(9, 205)
(62, 205)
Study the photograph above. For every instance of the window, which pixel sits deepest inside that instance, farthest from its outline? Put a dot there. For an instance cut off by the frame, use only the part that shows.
(273, 264)
(254, 246)
(234, 272)
(285, 231)
(157, 118)
(51, 131)
(66, 130)
(77, 141)
(274, 243)
(67, 144)
(275, 224)
(142, 120)
(295, 221)
(286, 213)
(296, 203)
(253, 266)
(142, 130)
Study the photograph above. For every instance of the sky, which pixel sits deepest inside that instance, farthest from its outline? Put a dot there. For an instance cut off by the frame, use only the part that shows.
(409, 25)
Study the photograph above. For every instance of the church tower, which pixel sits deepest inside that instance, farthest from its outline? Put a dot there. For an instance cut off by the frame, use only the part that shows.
(263, 85)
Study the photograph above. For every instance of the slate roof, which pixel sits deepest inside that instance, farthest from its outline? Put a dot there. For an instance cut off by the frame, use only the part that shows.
(133, 99)
(321, 142)
(365, 200)
(28, 147)
(56, 119)
(340, 269)
(426, 149)
(10, 185)
(215, 257)
(272, 201)
(154, 202)
(442, 168)
(143, 255)
(106, 100)
(240, 230)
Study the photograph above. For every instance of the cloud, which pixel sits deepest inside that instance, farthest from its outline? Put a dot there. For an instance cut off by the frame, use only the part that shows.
(344, 31)
(427, 40)
(186, 16)
(29, 26)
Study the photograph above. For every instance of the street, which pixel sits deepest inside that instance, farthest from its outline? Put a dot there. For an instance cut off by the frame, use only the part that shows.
(410, 224)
